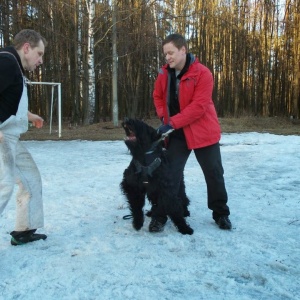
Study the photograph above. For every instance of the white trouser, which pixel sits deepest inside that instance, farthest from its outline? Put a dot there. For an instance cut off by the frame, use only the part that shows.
(17, 166)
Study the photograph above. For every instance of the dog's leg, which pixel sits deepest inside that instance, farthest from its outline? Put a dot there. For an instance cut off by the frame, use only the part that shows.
(181, 224)
(173, 204)
(136, 200)
(174, 209)
(136, 203)
(152, 196)
(184, 198)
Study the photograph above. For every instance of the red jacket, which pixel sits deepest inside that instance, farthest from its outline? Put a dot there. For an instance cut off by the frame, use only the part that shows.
(197, 116)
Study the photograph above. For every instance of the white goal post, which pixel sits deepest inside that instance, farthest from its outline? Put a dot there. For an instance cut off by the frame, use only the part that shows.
(53, 85)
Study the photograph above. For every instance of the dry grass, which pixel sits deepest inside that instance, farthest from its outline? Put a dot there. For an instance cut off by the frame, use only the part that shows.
(106, 131)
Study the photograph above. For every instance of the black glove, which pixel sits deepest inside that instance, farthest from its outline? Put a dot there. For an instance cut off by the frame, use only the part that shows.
(164, 129)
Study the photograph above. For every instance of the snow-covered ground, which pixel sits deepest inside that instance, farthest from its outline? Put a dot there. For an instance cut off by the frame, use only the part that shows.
(92, 253)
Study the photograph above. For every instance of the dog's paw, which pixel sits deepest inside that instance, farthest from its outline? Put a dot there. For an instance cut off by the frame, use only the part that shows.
(186, 230)
(138, 223)
(149, 213)
(189, 231)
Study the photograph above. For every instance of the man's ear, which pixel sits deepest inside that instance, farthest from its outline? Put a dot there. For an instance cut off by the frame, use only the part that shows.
(183, 49)
(26, 47)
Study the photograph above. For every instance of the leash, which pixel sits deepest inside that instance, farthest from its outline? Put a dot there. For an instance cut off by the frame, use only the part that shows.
(148, 170)
(128, 217)
(154, 145)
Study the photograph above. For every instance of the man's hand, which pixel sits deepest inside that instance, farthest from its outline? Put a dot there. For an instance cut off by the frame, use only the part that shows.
(164, 129)
(36, 120)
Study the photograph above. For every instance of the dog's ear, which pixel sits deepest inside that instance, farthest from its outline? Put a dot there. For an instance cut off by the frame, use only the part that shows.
(125, 121)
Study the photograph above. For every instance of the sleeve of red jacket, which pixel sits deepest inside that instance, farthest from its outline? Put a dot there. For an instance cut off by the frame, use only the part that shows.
(198, 104)
(159, 101)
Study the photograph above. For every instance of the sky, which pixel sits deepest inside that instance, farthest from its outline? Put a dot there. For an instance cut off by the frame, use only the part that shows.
(93, 253)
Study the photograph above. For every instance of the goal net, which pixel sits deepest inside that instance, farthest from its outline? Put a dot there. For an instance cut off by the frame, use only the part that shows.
(53, 86)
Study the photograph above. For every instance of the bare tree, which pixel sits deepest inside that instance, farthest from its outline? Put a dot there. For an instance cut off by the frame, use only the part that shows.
(251, 47)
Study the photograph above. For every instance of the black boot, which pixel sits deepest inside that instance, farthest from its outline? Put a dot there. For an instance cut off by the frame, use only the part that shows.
(223, 222)
(157, 224)
(24, 237)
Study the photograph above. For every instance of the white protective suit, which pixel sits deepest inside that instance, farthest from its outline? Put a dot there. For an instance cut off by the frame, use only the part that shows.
(18, 166)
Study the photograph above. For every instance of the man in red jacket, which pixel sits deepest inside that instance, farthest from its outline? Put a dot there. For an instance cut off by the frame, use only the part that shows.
(183, 101)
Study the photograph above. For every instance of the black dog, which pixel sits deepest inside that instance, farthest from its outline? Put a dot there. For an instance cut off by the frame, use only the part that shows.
(148, 175)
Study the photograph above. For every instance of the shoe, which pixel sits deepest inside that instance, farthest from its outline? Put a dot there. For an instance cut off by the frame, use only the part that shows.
(223, 222)
(24, 237)
(156, 226)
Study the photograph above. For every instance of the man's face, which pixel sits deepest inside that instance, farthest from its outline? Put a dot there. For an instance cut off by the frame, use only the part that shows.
(175, 57)
(33, 57)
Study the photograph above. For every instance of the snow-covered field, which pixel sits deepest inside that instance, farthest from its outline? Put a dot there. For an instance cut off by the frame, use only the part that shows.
(92, 253)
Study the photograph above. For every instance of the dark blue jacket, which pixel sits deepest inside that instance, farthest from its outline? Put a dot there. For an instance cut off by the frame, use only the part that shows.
(11, 82)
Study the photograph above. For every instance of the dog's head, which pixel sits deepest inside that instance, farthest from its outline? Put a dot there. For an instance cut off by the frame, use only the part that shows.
(139, 135)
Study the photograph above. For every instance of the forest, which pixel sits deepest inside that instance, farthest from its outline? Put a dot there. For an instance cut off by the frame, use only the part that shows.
(106, 53)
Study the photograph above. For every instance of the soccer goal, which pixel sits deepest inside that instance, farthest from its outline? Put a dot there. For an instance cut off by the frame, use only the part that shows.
(58, 86)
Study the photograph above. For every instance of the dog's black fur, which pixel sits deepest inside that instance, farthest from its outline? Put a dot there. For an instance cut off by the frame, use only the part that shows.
(148, 175)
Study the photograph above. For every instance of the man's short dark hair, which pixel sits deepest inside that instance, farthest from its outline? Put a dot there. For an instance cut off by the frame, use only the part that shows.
(28, 36)
(177, 39)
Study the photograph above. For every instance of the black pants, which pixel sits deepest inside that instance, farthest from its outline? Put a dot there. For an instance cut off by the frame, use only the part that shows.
(209, 159)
